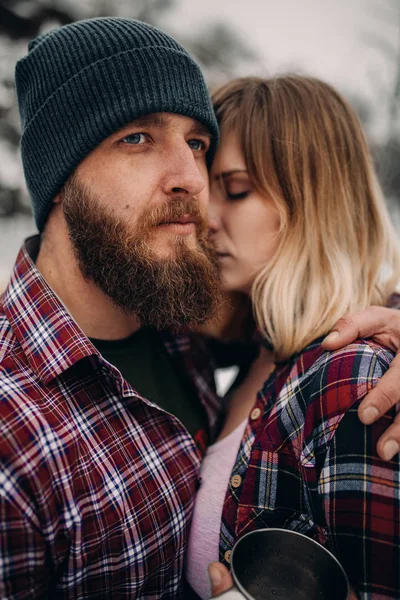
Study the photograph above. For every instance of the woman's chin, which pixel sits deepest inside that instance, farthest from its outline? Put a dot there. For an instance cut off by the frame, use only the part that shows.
(229, 285)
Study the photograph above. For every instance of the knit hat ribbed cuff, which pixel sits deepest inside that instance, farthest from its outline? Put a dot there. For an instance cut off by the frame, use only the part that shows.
(95, 102)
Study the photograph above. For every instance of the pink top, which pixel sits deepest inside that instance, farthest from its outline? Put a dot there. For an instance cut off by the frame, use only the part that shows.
(204, 535)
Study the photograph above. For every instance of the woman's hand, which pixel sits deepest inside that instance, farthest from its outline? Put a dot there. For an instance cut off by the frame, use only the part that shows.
(383, 326)
(220, 578)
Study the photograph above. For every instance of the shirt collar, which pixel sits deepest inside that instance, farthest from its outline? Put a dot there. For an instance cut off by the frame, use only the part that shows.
(49, 337)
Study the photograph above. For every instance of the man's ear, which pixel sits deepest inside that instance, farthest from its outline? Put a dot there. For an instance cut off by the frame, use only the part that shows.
(58, 198)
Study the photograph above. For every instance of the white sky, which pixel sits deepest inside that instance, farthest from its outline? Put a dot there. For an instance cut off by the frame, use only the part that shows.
(330, 39)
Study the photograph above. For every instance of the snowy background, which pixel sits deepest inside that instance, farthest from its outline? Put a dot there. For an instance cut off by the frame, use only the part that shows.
(353, 44)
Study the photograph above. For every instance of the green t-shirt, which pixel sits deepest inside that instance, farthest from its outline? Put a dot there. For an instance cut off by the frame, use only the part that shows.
(145, 363)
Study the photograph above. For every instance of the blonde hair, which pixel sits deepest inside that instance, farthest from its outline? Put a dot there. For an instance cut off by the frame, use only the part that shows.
(305, 149)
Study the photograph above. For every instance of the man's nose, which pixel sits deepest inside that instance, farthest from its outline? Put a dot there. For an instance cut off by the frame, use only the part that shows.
(185, 175)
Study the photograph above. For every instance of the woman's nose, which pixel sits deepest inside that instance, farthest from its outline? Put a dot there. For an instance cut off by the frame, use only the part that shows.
(213, 217)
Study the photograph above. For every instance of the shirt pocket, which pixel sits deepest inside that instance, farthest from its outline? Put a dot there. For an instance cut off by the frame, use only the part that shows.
(276, 494)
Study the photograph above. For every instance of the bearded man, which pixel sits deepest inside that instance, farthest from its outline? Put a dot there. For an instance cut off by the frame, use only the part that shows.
(98, 476)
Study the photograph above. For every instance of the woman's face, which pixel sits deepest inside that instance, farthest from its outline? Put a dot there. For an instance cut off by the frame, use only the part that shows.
(244, 223)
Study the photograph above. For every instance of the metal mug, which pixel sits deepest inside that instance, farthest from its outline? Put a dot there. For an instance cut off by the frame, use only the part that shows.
(279, 564)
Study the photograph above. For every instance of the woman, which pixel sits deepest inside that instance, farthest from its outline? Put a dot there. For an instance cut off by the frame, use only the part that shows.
(301, 227)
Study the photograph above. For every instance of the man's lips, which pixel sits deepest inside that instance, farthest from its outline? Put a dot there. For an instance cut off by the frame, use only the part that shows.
(179, 220)
(181, 225)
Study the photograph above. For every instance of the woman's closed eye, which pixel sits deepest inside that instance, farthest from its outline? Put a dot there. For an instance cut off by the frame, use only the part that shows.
(238, 195)
(232, 185)
(237, 189)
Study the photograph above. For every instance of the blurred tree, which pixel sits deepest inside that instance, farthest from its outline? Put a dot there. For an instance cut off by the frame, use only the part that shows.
(362, 108)
(387, 153)
(24, 19)
(217, 48)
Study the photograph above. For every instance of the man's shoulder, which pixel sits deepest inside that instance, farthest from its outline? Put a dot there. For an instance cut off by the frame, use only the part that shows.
(322, 386)
(8, 341)
(356, 364)
(362, 360)
(334, 382)
(19, 384)
(28, 415)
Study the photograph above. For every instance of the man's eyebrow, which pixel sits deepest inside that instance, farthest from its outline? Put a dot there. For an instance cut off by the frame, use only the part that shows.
(149, 120)
(200, 129)
(161, 121)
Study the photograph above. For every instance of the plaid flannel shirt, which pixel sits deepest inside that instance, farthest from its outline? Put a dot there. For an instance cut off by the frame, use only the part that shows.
(96, 483)
(307, 463)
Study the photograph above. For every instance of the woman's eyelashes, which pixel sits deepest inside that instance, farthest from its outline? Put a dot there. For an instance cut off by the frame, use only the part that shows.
(235, 185)
(238, 195)
(236, 190)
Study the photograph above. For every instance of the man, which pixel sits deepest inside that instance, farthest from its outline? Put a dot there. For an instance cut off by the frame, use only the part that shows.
(97, 481)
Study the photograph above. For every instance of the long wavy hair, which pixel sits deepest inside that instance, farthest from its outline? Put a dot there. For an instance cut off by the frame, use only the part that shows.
(305, 149)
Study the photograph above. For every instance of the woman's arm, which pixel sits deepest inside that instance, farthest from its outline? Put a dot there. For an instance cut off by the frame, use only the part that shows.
(383, 326)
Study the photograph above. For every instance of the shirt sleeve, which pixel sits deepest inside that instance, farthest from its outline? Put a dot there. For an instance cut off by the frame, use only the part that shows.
(361, 500)
(23, 573)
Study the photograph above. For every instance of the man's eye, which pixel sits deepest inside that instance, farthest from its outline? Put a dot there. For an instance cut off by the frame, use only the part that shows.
(196, 144)
(134, 139)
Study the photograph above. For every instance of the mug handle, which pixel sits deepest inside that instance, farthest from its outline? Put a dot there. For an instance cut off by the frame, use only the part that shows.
(232, 594)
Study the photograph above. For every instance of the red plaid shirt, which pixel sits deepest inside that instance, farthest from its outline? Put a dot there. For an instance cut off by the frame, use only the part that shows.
(96, 483)
(308, 464)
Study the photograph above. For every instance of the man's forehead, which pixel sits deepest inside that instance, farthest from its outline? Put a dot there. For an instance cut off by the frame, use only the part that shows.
(164, 120)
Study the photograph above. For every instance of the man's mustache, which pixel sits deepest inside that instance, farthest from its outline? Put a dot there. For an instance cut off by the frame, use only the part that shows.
(174, 210)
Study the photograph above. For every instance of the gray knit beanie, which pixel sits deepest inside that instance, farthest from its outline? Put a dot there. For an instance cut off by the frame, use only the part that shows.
(82, 82)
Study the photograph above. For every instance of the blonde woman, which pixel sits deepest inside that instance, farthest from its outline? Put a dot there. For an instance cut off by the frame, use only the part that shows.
(301, 227)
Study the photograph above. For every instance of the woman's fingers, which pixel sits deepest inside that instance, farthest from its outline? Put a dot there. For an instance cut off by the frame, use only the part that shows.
(381, 324)
(383, 396)
(389, 442)
(379, 400)
(220, 578)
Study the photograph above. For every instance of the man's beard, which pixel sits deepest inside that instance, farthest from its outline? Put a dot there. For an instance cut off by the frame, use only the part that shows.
(165, 293)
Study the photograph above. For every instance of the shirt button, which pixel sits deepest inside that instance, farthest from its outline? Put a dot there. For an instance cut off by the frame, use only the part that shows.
(236, 481)
(255, 413)
(227, 556)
